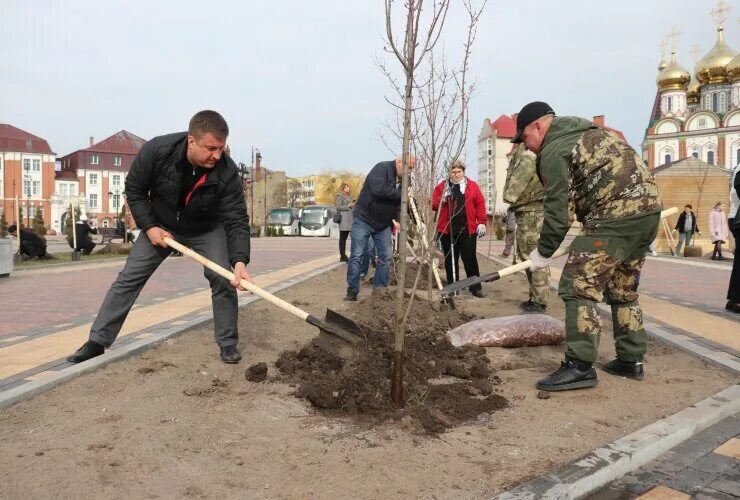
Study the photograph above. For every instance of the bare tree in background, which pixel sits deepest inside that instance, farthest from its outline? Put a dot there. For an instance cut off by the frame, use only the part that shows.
(295, 192)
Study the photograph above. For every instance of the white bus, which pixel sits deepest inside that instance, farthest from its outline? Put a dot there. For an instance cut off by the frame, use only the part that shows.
(316, 220)
(287, 219)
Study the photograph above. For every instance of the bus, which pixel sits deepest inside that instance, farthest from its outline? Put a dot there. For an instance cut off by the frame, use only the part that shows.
(316, 220)
(287, 219)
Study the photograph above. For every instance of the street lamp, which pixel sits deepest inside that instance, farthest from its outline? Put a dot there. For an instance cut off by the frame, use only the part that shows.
(116, 205)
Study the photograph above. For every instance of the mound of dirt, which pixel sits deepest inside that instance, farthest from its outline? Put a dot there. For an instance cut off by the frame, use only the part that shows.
(443, 385)
(411, 269)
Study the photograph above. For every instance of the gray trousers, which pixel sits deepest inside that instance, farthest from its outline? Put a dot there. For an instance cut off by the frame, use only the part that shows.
(143, 260)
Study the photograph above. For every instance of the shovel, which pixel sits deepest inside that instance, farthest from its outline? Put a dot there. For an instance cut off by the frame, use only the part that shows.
(522, 266)
(334, 326)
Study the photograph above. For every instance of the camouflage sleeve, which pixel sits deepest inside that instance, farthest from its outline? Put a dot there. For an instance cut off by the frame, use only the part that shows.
(553, 168)
(518, 176)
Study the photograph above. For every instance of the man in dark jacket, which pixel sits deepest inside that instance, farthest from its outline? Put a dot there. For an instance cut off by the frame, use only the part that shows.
(616, 199)
(686, 226)
(377, 206)
(85, 244)
(31, 244)
(184, 187)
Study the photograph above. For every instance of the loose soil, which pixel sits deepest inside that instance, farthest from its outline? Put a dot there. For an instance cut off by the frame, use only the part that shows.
(176, 422)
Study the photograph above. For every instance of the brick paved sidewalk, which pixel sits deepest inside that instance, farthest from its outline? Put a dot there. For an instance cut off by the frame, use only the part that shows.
(705, 466)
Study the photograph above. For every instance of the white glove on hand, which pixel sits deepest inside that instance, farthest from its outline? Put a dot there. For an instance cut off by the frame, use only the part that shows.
(481, 230)
(538, 261)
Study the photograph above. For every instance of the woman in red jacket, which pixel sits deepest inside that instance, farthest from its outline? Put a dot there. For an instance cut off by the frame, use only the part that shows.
(462, 219)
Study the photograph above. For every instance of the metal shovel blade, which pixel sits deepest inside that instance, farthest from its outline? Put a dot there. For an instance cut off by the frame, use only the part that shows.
(338, 334)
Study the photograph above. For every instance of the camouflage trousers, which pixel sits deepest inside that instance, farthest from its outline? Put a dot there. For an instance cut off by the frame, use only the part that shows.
(604, 263)
(528, 227)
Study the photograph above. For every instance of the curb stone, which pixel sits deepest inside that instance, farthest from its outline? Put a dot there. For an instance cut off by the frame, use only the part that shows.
(30, 389)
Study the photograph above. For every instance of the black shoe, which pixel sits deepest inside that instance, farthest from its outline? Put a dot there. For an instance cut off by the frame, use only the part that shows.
(478, 293)
(729, 306)
(524, 304)
(570, 375)
(351, 295)
(343, 258)
(230, 354)
(88, 350)
(629, 369)
(534, 307)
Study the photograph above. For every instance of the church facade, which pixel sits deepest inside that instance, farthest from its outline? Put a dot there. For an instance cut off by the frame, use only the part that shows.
(697, 113)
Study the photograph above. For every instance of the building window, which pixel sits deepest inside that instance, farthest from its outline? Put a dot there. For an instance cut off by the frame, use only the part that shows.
(94, 159)
(667, 159)
(36, 188)
(93, 179)
(721, 102)
(669, 104)
(93, 201)
(116, 161)
(26, 164)
(105, 223)
(715, 106)
(63, 189)
(695, 154)
(27, 188)
(116, 180)
(710, 157)
(36, 165)
(31, 212)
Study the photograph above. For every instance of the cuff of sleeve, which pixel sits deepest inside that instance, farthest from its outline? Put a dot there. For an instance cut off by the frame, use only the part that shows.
(245, 260)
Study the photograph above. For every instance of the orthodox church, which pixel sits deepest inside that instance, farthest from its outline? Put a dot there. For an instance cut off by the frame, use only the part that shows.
(697, 113)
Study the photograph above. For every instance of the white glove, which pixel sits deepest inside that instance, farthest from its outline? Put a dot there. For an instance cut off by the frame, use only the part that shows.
(538, 261)
(481, 230)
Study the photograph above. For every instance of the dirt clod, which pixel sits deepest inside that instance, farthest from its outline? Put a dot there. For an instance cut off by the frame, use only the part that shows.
(256, 372)
(543, 395)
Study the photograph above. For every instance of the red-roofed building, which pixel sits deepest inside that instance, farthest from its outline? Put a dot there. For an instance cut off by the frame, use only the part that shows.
(100, 171)
(26, 174)
(494, 143)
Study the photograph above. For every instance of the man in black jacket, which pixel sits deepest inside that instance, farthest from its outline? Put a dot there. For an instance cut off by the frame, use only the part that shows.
(184, 187)
(377, 206)
(31, 245)
(85, 244)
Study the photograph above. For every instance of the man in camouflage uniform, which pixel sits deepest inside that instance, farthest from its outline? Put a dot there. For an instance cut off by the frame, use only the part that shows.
(524, 193)
(616, 200)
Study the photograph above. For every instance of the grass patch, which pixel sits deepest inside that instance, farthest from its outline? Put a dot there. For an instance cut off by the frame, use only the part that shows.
(65, 258)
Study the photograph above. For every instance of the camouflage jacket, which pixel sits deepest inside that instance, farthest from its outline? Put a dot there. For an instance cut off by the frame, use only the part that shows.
(600, 173)
(523, 190)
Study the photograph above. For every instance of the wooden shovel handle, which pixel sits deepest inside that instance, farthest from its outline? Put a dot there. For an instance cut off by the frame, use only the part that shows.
(287, 306)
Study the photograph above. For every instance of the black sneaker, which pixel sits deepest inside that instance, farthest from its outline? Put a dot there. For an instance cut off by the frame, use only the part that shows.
(230, 354)
(570, 375)
(478, 293)
(351, 294)
(534, 307)
(629, 369)
(88, 350)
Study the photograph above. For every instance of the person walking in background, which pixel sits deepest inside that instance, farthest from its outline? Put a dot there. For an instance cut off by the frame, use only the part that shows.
(510, 232)
(461, 221)
(686, 227)
(378, 205)
(718, 230)
(524, 193)
(733, 290)
(344, 204)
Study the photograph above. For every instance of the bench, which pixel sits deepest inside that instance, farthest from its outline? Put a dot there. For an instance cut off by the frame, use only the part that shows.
(108, 235)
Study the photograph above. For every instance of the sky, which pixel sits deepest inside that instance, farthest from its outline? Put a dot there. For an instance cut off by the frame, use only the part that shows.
(298, 79)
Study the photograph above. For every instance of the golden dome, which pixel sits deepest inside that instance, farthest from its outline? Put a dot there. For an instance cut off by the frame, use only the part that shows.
(673, 77)
(713, 66)
(733, 69)
(662, 64)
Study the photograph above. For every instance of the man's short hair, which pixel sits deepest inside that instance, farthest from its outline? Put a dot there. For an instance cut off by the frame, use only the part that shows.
(208, 122)
(12, 228)
(689, 207)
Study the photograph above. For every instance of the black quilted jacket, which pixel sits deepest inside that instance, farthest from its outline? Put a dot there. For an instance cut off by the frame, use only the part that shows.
(153, 189)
